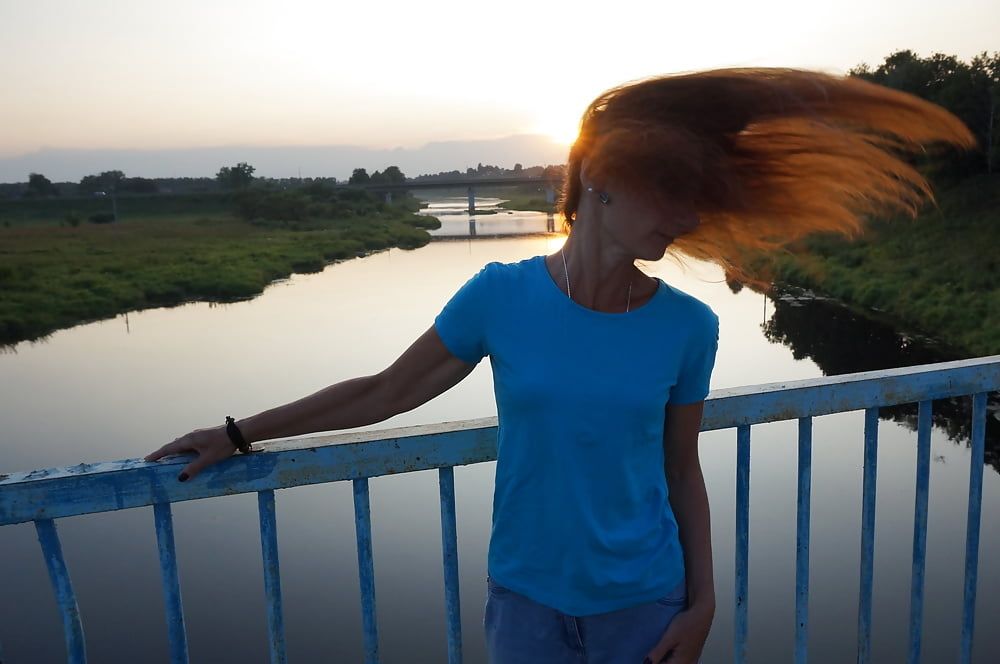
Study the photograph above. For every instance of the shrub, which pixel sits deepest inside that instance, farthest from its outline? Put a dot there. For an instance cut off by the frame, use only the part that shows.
(283, 205)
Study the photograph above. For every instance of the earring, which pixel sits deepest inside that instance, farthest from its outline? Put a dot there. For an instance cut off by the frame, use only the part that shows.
(605, 199)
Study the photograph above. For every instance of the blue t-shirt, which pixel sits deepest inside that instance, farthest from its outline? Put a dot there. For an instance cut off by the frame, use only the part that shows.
(581, 519)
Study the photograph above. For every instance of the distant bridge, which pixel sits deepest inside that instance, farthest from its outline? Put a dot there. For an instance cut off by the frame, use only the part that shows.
(551, 185)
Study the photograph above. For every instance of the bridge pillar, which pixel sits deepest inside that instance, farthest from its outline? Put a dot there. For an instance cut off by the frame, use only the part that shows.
(550, 194)
(472, 200)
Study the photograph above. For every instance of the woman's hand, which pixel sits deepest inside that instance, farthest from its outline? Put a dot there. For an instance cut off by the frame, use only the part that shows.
(684, 639)
(211, 445)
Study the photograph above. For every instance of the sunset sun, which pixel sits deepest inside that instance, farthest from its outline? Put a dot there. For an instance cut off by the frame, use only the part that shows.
(560, 127)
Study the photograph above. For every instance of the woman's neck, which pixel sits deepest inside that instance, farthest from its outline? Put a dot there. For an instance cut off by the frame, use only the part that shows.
(599, 277)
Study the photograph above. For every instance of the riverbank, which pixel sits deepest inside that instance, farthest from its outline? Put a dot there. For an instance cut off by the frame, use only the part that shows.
(54, 274)
(937, 275)
(522, 197)
(529, 202)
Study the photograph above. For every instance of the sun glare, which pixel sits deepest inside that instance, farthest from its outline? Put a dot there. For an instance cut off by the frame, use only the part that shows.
(561, 129)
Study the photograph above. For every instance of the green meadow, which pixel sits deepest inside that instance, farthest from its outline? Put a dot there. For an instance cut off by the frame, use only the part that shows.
(526, 198)
(58, 268)
(520, 197)
(938, 274)
(527, 201)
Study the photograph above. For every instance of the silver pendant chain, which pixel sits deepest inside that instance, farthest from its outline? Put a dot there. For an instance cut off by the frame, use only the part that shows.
(570, 293)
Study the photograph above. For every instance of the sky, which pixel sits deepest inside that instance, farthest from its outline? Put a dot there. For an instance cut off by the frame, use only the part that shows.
(184, 74)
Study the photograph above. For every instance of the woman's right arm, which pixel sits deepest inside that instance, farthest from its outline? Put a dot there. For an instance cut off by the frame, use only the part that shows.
(426, 369)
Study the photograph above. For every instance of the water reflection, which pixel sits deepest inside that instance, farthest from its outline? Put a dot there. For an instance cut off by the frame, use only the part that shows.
(840, 340)
(112, 390)
(488, 220)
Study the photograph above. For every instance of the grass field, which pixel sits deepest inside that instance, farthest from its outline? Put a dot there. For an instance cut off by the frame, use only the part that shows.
(530, 201)
(165, 251)
(938, 274)
(59, 211)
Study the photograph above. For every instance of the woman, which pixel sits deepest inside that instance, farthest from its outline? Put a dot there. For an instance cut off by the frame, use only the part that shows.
(600, 549)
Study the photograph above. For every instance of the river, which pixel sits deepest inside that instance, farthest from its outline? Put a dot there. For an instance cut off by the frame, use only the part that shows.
(124, 386)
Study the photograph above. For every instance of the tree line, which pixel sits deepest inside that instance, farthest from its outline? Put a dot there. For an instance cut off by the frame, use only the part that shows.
(107, 183)
(491, 171)
(241, 176)
(970, 90)
(391, 175)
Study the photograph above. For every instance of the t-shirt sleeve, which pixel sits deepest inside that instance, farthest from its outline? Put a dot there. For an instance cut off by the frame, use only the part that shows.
(697, 365)
(461, 324)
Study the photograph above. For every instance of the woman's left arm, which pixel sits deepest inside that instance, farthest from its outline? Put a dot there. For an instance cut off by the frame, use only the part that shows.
(685, 637)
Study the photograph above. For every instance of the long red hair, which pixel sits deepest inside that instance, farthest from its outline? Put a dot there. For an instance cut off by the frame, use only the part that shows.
(766, 155)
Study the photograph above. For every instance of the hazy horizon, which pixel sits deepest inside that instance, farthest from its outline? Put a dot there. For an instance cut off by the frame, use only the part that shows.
(284, 161)
(187, 76)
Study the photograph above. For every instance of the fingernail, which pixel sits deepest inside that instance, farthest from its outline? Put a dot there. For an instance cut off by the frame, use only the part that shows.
(183, 477)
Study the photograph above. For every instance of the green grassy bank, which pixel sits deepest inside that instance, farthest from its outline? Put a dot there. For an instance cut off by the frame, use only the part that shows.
(521, 197)
(63, 211)
(529, 201)
(938, 275)
(165, 251)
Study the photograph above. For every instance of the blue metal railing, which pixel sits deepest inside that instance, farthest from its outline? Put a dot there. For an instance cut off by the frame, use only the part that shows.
(44, 495)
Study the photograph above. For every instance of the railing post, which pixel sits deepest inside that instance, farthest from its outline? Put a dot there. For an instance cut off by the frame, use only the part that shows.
(176, 634)
(972, 527)
(76, 652)
(272, 575)
(920, 528)
(742, 540)
(366, 568)
(802, 541)
(867, 535)
(550, 193)
(449, 547)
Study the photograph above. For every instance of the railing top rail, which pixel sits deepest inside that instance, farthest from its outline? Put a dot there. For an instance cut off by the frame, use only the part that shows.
(113, 485)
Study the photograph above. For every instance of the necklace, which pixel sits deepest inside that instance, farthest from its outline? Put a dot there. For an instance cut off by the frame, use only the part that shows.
(570, 294)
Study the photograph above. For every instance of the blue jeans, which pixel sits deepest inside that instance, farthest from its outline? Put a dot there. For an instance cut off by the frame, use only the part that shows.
(522, 631)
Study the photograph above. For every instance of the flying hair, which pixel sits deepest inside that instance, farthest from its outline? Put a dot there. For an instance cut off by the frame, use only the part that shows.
(765, 155)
